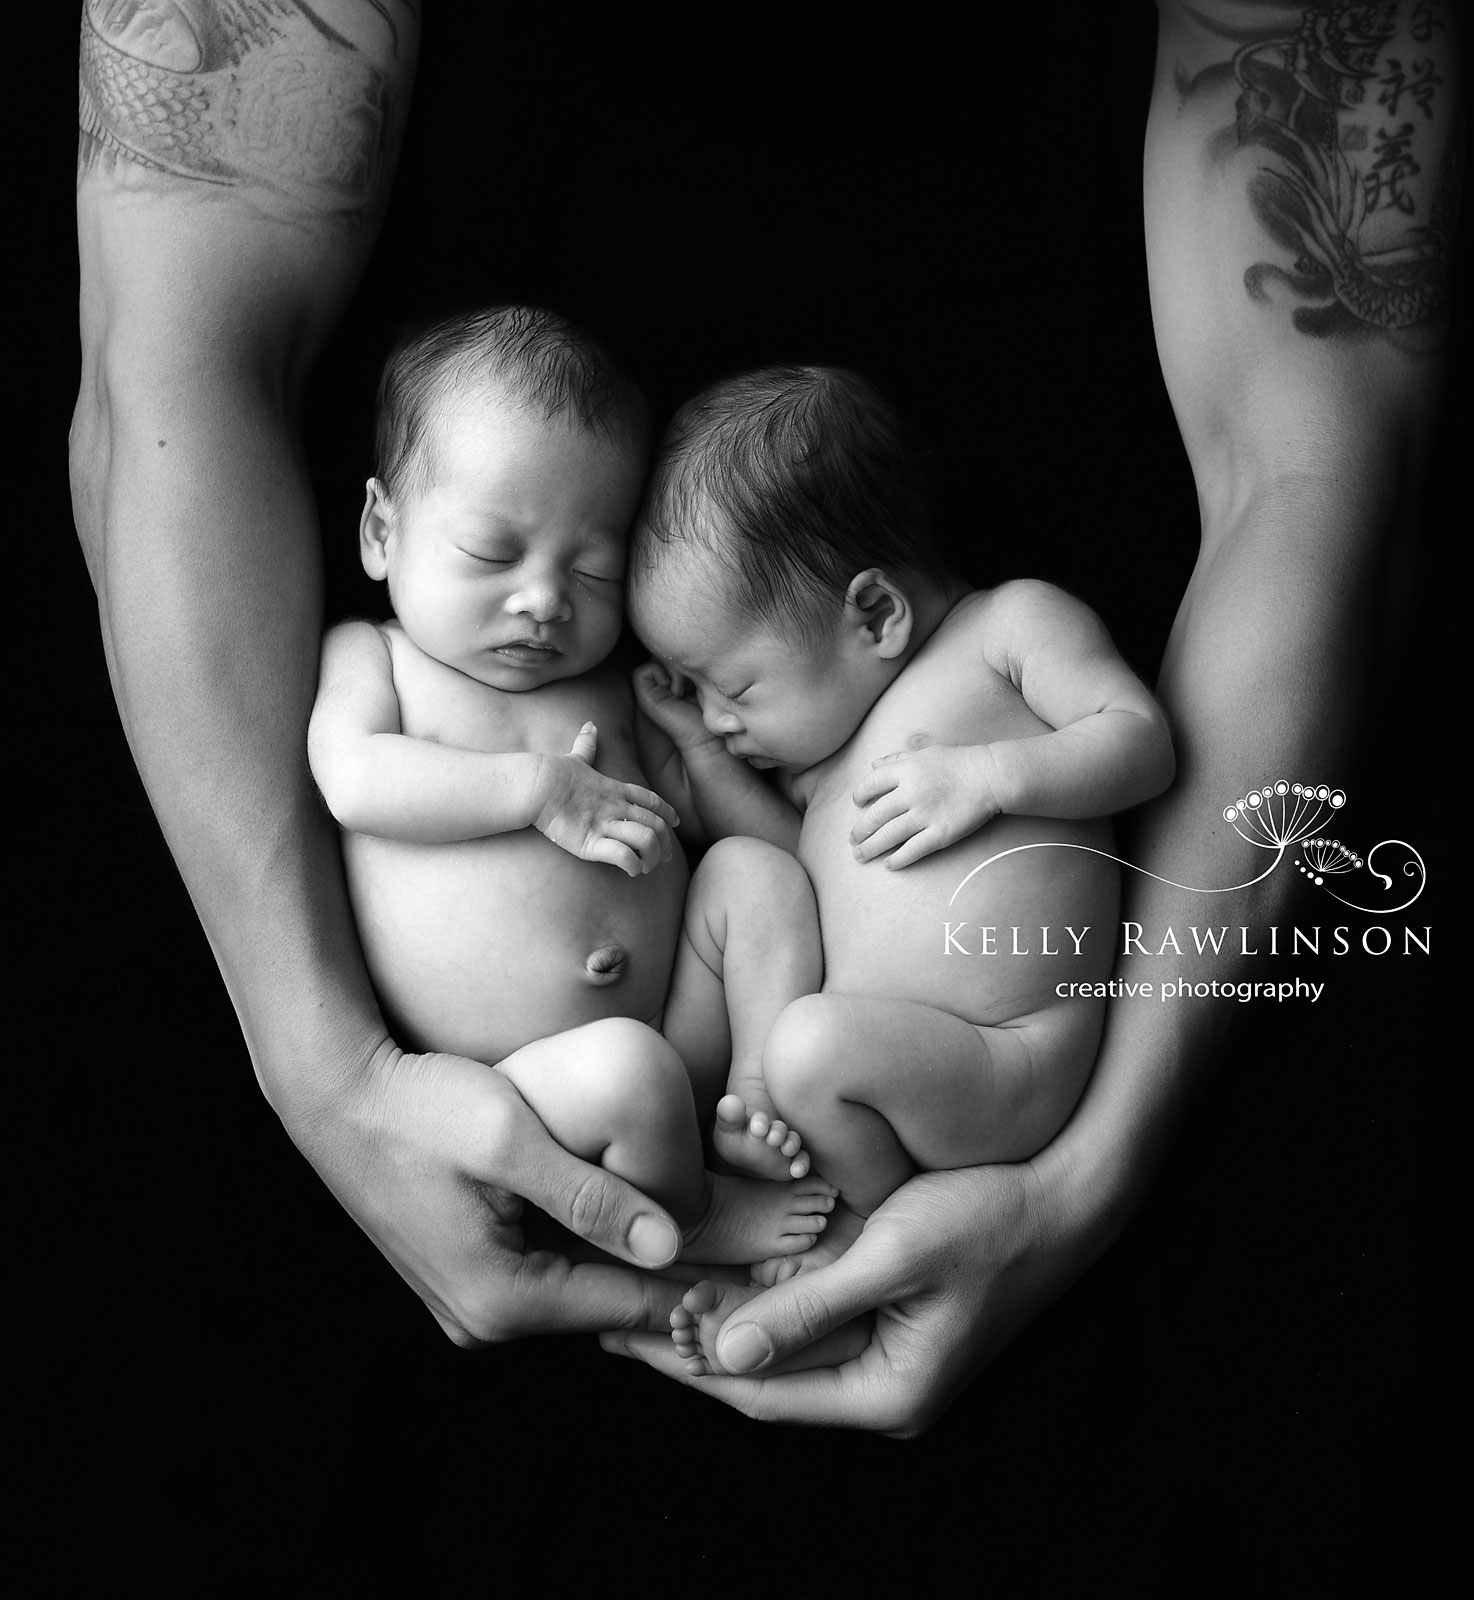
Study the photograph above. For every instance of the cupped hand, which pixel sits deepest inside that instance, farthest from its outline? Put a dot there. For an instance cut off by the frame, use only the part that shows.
(915, 802)
(598, 818)
(436, 1156)
(952, 1267)
(667, 699)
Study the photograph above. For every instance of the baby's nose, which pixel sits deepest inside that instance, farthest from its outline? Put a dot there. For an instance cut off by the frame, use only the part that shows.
(719, 720)
(544, 598)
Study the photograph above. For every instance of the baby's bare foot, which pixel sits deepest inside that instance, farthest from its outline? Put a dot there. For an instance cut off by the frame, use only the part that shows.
(697, 1323)
(757, 1143)
(843, 1229)
(746, 1221)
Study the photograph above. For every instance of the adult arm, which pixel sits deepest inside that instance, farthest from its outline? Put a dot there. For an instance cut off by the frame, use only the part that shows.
(1298, 246)
(234, 159)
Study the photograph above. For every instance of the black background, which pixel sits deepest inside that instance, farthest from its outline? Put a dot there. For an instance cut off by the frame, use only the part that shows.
(232, 1384)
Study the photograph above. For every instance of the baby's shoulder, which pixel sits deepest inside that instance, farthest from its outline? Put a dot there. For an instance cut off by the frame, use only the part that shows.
(981, 611)
(356, 648)
(998, 623)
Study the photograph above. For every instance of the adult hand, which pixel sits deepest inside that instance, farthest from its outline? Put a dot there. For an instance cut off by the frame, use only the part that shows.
(435, 1157)
(954, 1265)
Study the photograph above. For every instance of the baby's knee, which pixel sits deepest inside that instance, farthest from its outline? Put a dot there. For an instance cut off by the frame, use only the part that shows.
(740, 871)
(632, 1071)
(802, 1054)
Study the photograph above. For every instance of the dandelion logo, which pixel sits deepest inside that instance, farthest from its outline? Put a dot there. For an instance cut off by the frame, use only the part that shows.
(1280, 816)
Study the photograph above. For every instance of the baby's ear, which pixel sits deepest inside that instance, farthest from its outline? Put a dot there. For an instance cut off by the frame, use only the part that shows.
(374, 528)
(881, 611)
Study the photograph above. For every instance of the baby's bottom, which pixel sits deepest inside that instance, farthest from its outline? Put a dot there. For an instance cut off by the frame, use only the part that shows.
(615, 1093)
(749, 947)
(882, 1088)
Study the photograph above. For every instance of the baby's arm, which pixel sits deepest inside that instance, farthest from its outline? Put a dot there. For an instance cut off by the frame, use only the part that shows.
(380, 781)
(1110, 747)
(719, 795)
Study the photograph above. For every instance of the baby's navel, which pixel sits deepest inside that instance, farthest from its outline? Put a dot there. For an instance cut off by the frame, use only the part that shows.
(918, 741)
(607, 964)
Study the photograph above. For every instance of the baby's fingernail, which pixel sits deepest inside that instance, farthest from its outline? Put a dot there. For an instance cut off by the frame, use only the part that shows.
(744, 1348)
(653, 1241)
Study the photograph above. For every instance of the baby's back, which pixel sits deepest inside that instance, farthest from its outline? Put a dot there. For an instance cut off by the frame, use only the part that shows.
(482, 946)
(919, 933)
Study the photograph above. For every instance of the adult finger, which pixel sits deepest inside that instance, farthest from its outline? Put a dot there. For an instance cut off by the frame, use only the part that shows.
(807, 1307)
(553, 1295)
(594, 1204)
(863, 1393)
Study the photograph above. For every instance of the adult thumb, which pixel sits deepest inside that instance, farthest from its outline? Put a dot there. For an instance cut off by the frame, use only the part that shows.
(799, 1314)
(600, 1208)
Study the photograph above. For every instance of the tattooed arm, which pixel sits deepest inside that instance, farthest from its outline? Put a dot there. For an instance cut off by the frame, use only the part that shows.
(1299, 200)
(234, 158)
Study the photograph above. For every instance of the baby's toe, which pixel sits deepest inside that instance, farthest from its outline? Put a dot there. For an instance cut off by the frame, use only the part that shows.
(731, 1112)
(699, 1298)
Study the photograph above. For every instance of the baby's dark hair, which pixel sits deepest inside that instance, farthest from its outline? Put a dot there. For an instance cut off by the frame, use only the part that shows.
(796, 478)
(537, 358)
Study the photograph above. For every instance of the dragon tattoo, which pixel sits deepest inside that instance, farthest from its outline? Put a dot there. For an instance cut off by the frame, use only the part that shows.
(1338, 194)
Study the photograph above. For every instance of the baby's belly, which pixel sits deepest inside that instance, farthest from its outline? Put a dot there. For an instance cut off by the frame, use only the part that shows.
(483, 946)
(988, 946)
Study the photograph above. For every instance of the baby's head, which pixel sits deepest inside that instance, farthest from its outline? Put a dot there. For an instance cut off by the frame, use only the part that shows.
(785, 541)
(510, 450)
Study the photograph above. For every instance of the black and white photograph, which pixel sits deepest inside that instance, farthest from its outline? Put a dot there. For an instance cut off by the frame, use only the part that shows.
(747, 816)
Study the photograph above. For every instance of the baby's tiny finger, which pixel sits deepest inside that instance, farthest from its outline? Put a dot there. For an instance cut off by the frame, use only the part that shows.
(650, 801)
(876, 815)
(873, 785)
(918, 845)
(893, 834)
(586, 744)
(644, 839)
(613, 853)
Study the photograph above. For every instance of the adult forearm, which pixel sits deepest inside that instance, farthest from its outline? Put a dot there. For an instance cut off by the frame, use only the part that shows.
(1260, 683)
(200, 534)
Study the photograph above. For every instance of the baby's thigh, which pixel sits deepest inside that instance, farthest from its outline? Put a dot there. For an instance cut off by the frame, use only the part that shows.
(956, 1093)
(587, 1084)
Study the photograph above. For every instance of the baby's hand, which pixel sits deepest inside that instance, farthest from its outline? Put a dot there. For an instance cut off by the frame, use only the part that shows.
(914, 802)
(663, 697)
(601, 819)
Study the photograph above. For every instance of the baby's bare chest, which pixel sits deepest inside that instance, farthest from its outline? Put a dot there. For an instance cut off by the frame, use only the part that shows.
(446, 707)
(938, 700)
